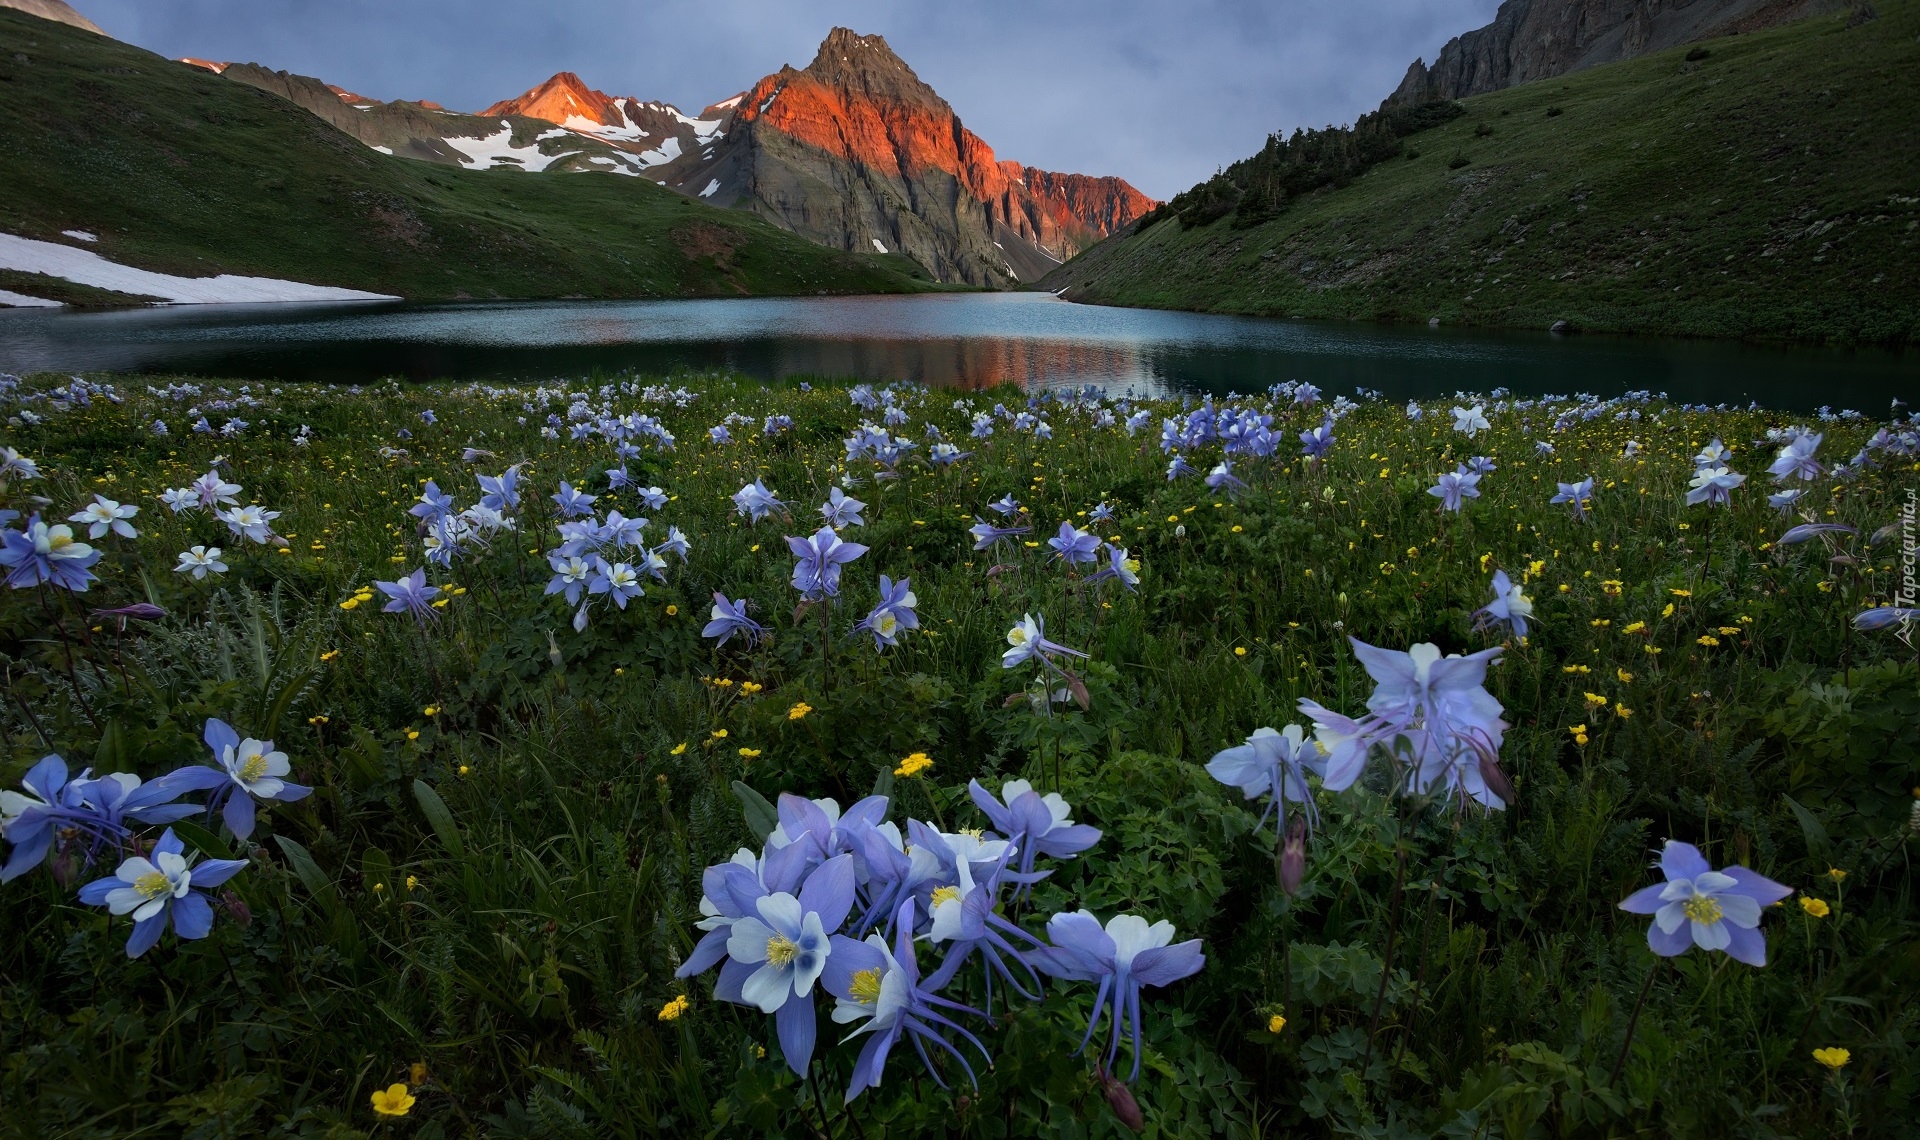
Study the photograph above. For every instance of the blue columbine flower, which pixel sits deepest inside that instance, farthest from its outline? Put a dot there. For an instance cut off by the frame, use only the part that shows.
(1315, 444)
(755, 501)
(730, 618)
(1075, 547)
(842, 509)
(43, 553)
(1035, 824)
(1713, 486)
(617, 580)
(1272, 764)
(1178, 466)
(501, 492)
(893, 614)
(1101, 513)
(1796, 460)
(817, 573)
(1575, 495)
(1884, 617)
(1222, 477)
(1120, 566)
(1005, 507)
(776, 954)
(432, 505)
(248, 770)
(410, 595)
(1698, 906)
(166, 886)
(882, 989)
(653, 498)
(572, 574)
(1124, 957)
(573, 502)
(1454, 488)
(1509, 607)
(1028, 642)
(985, 534)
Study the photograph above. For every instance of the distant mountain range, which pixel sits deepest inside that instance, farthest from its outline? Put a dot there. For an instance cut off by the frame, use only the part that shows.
(853, 151)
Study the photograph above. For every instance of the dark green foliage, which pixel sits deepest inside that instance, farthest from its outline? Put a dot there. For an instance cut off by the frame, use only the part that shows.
(1258, 188)
(1773, 195)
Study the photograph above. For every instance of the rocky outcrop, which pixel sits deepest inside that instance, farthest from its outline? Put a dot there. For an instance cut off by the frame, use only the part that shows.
(1537, 39)
(57, 10)
(428, 132)
(855, 151)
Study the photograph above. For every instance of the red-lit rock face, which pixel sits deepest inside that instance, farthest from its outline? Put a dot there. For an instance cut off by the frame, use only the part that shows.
(860, 103)
(563, 97)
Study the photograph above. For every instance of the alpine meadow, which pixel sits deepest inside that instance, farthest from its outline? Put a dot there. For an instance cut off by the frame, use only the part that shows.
(584, 619)
(1269, 763)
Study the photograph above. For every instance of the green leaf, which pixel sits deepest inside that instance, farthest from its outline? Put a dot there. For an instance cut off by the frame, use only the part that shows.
(1810, 826)
(883, 785)
(435, 809)
(761, 818)
(202, 840)
(309, 872)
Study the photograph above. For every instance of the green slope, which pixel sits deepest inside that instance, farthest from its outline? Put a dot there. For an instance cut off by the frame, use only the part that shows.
(1768, 190)
(181, 171)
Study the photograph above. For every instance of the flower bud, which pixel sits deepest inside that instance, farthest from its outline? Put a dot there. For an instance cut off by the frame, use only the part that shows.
(237, 907)
(1120, 1100)
(139, 611)
(1291, 868)
(1495, 779)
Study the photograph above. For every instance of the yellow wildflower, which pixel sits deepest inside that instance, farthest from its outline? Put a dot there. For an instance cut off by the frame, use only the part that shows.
(678, 749)
(1833, 1057)
(394, 1100)
(673, 1009)
(1276, 1023)
(1818, 908)
(749, 753)
(913, 765)
(799, 711)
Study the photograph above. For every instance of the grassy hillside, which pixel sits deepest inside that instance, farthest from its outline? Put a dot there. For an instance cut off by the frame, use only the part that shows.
(182, 171)
(1769, 190)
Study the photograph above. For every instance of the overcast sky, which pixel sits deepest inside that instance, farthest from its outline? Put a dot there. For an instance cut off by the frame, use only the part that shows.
(1160, 94)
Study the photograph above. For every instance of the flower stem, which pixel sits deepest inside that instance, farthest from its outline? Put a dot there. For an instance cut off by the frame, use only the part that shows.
(1634, 1021)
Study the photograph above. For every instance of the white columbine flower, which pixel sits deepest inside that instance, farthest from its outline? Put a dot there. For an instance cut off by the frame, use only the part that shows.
(251, 521)
(103, 514)
(201, 561)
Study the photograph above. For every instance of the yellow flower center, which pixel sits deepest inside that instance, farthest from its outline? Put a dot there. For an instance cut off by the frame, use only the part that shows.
(152, 885)
(1017, 635)
(945, 894)
(780, 950)
(59, 541)
(254, 768)
(888, 623)
(1701, 909)
(866, 987)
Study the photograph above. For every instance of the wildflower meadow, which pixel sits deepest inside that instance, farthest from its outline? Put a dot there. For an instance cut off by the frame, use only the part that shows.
(695, 756)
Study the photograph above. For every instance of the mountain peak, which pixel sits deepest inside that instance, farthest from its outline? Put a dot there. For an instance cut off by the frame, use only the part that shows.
(562, 97)
(869, 66)
(57, 10)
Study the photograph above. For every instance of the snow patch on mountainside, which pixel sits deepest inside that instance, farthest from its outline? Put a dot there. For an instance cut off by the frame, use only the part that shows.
(877, 244)
(498, 150)
(79, 235)
(667, 152)
(711, 187)
(85, 267)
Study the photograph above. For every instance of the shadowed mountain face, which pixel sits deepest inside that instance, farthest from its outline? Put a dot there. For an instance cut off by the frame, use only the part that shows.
(1538, 39)
(853, 152)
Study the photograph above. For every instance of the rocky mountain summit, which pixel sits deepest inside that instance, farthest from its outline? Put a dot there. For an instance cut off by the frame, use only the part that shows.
(1537, 39)
(58, 11)
(852, 151)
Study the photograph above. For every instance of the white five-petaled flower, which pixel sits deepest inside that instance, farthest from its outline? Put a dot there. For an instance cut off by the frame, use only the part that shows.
(150, 884)
(252, 521)
(256, 767)
(103, 514)
(200, 561)
(1472, 420)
